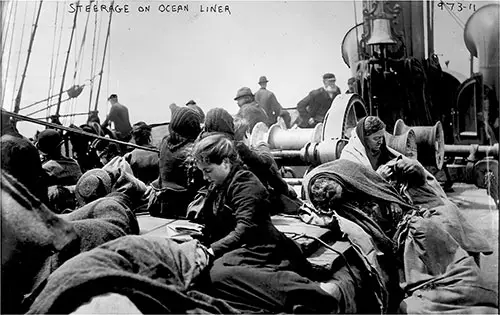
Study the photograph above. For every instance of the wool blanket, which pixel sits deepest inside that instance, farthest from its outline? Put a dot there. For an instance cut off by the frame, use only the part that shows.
(155, 273)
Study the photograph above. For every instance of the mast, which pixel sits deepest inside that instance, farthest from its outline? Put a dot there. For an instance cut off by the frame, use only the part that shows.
(66, 62)
(23, 77)
(103, 58)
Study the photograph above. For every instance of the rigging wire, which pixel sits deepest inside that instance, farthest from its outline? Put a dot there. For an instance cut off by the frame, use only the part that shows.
(51, 70)
(53, 85)
(10, 53)
(23, 77)
(104, 56)
(67, 59)
(52, 105)
(82, 47)
(92, 64)
(20, 49)
(454, 16)
(54, 95)
(4, 42)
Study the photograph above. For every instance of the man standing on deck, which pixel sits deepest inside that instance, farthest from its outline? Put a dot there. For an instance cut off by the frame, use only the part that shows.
(267, 100)
(118, 114)
(250, 110)
(313, 108)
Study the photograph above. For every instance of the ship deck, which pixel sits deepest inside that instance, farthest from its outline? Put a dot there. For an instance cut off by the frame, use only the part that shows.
(474, 203)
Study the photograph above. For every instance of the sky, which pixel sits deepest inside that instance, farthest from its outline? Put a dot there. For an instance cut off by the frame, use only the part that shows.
(157, 58)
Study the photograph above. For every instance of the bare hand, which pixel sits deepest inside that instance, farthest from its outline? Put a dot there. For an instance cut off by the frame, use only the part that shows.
(385, 171)
(311, 121)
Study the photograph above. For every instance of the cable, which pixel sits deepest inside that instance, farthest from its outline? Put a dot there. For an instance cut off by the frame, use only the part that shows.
(92, 63)
(67, 59)
(58, 53)
(104, 56)
(7, 30)
(10, 53)
(82, 46)
(32, 40)
(51, 70)
(20, 49)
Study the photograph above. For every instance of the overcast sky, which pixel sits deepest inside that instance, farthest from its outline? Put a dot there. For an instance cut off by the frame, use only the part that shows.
(157, 58)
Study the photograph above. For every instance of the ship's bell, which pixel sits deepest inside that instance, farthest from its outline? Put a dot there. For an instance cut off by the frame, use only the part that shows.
(380, 32)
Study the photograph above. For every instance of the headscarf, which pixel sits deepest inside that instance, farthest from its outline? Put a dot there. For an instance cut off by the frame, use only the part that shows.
(384, 155)
(219, 120)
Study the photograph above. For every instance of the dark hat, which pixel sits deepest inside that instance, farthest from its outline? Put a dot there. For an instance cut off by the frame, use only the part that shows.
(191, 102)
(198, 109)
(263, 79)
(112, 96)
(244, 91)
(186, 122)
(93, 185)
(219, 120)
(49, 140)
(328, 76)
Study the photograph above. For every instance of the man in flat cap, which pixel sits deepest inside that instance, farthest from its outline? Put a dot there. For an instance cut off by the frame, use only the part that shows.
(118, 114)
(313, 108)
(249, 108)
(267, 100)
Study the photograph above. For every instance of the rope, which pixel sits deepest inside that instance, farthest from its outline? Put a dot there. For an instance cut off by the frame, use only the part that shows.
(23, 77)
(453, 15)
(7, 29)
(20, 49)
(51, 70)
(80, 132)
(10, 53)
(104, 56)
(58, 54)
(92, 63)
(82, 46)
(67, 59)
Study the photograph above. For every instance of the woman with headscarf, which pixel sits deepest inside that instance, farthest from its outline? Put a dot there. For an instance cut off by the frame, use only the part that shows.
(256, 267)
(427, 246)
(419, 187)
(179, 179)
(144, 163)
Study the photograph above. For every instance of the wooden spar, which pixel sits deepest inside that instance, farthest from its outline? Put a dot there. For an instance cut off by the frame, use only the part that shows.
(23, 77)
(72, 130)
(66, 62)
(104, 57)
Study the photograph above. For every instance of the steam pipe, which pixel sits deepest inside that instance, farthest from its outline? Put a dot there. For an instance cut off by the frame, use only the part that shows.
(465, 150)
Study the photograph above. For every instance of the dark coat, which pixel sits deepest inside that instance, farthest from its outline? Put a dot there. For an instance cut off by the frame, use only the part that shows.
(144, 164)
(253, 113)
(268, 102)
(119, 115)
(178, 183)
(316, 104)
(237, 214)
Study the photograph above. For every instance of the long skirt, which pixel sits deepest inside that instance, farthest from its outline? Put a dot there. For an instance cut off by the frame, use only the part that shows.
(268, 279)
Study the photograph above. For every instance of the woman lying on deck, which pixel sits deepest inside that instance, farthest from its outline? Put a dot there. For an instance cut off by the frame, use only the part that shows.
(415, 224)
(256, 267)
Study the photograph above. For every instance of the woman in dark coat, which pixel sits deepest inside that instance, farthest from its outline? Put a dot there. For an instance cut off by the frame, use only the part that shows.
(256, 267)
(179, 179)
